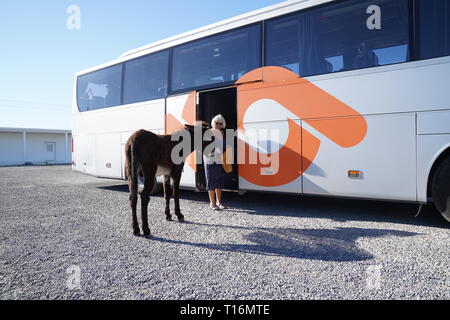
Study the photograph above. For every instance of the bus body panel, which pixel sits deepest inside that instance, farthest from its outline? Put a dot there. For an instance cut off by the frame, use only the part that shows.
(147, 115)
(433, 138)
(386, 160)
(265, 141)
(99, 149)
(108, 156)
(291, 187)
(429, 148)
(124, 136)
(178, 113)
(408, 87)
(433, 122)
(84, 155)
(174, 118)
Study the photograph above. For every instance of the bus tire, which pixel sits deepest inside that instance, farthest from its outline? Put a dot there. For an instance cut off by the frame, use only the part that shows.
(441, 189)
(157, 187)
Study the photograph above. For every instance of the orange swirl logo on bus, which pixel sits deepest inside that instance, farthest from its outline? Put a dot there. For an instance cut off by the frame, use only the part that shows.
(314, 106)
(301, 100)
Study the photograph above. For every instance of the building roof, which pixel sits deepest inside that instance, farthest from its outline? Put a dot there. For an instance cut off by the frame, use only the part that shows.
(34, 130)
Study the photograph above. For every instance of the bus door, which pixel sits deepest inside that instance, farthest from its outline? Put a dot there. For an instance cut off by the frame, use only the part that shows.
(210, 104)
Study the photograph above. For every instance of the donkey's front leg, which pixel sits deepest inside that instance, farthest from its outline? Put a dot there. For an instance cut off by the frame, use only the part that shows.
(176, 196)
(167, 192)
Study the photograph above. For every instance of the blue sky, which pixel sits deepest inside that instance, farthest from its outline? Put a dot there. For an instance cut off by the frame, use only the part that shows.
(40, 55)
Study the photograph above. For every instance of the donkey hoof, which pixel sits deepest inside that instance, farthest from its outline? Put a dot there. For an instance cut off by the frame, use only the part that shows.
(147, 233)
(137, 233)
(181, 219)
(168, 218)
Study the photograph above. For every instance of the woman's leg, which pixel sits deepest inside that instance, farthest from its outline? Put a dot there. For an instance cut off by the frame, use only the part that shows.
(219, 195)
(212, 197)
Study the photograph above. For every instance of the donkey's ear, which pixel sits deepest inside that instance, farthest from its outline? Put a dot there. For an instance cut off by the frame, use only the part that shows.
(206, 125)
(203, 124)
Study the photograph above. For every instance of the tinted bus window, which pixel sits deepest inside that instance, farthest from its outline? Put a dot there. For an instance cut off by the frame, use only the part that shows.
(345, 36)
(217, 59)
(146, 78)
(434, 28)
(100, 89)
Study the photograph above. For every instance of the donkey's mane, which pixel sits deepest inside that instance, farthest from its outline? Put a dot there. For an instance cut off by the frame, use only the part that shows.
(200, 124)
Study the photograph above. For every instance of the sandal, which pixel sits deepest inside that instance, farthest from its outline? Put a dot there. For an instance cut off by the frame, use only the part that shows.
(221, 206)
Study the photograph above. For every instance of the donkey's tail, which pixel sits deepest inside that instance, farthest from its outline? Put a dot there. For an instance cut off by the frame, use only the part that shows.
(127, 161)
(131, 168)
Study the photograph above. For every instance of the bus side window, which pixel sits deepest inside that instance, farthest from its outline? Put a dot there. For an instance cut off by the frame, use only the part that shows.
(339, 33)
(213, 60)
(145, 78)
(434, 28)
(100, 89)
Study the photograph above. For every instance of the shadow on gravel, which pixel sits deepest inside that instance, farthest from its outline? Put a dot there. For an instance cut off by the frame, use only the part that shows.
(336, 209)
(338, 245)
(118, 188)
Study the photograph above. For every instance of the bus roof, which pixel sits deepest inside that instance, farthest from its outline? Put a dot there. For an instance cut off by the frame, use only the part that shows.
(218, 27)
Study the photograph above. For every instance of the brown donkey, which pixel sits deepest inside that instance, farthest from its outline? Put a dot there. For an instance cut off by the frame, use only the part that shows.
(149, 155)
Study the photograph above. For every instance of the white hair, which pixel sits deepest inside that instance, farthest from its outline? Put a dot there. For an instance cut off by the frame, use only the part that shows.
(218, 118)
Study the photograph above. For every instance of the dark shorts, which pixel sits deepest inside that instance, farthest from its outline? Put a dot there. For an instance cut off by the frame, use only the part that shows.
(215, 176)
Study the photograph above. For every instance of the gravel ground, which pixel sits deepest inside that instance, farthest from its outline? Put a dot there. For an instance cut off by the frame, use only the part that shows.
(56, 224)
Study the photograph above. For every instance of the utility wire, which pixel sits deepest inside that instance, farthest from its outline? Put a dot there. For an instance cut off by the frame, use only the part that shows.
(34, 102)
(36, 108)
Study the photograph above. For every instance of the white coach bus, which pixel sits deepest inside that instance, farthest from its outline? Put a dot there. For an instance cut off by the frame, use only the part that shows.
(359, 91)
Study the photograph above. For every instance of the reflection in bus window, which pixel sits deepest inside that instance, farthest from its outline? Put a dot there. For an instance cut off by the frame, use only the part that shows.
(219, 59)
(100, 89)
(146, 78)
(337, 38)
(434, 28)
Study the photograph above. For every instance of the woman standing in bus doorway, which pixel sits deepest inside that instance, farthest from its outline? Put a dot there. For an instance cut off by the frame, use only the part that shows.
(215, 174)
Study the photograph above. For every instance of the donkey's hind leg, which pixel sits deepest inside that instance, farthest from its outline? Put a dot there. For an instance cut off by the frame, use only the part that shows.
(133, 199)
(145, 199)
(134, 221)
(167, 193)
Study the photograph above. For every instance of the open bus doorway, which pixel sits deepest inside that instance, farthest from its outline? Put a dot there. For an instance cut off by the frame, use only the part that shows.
(210, 104)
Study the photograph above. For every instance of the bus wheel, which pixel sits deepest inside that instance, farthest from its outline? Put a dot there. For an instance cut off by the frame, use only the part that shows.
(157, 187)
(441, 189)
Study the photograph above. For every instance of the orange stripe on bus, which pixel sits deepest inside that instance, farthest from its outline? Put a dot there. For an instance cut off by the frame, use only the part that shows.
(339, 122)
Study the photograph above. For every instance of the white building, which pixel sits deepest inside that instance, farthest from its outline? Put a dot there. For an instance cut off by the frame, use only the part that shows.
(19, 146)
